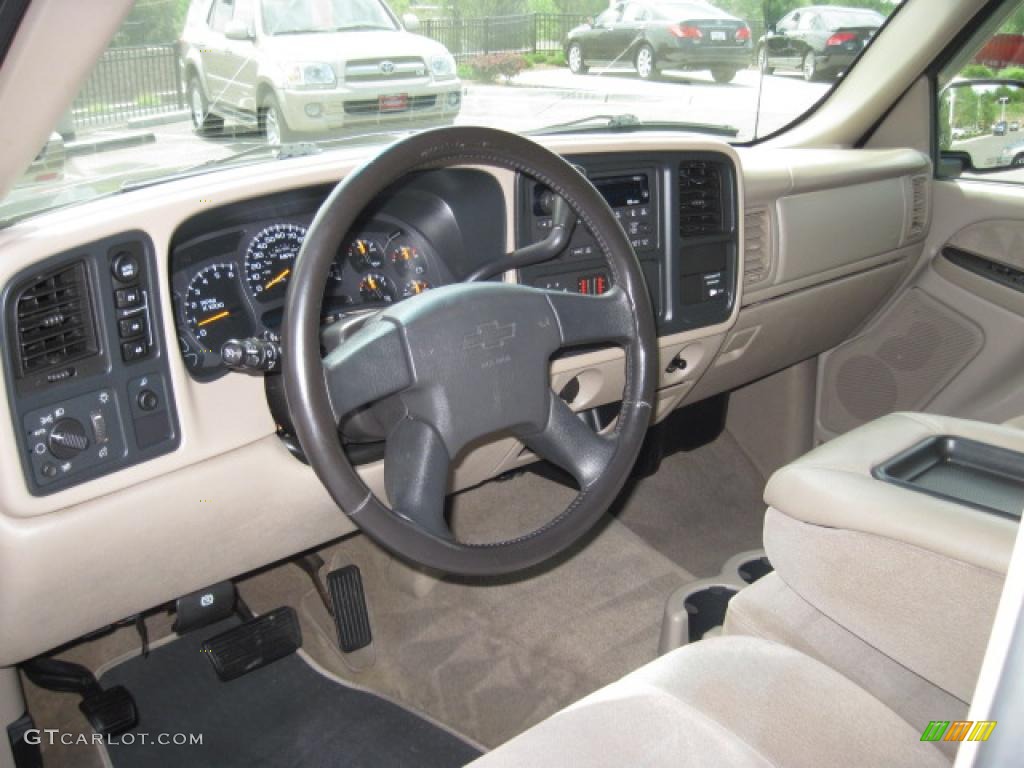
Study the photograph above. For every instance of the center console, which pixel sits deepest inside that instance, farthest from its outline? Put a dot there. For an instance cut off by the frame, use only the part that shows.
(891, 544)
(680, 213)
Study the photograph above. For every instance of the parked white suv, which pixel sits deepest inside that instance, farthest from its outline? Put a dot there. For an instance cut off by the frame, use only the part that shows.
(312, 67)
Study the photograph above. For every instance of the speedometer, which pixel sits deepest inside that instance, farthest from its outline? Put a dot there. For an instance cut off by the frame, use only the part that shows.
(270, 258)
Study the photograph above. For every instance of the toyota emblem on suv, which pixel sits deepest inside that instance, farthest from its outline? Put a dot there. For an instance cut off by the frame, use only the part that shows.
(387, 67)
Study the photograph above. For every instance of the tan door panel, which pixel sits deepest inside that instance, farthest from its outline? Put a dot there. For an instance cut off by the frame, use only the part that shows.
(952, 342)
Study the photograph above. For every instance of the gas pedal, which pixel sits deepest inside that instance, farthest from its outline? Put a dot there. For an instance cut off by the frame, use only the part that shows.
(349, 603)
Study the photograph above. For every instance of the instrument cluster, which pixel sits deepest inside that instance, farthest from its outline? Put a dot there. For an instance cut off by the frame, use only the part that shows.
(232, 285)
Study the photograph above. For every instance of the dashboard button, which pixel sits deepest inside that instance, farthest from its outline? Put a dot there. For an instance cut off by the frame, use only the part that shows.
(148, 400)
(125, 267)
(134, 350)
(131, 326)
(127, 297)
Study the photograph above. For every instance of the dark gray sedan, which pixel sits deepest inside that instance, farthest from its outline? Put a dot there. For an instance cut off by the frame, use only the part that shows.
(655, 36)
(820, 42)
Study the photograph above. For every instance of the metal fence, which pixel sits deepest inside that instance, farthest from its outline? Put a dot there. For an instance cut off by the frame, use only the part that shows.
(130, 83)
(527, 33)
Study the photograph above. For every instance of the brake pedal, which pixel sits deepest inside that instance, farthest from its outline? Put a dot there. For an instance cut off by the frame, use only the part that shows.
(255, 643)
(348, 600)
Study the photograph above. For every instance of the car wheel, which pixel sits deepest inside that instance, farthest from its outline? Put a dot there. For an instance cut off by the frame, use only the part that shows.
(762, 61)
(203, 122)
(810, 67)
(273, 123)
(1018, 160)
(575, 59)
(723, 74)
(646, 67)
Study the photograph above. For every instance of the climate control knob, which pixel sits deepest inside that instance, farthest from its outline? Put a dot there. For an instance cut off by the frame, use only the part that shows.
(67, 439)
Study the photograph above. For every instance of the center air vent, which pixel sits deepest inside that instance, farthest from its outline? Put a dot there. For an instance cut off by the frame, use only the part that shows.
(54, 321)
(757, 247)
(700, 199)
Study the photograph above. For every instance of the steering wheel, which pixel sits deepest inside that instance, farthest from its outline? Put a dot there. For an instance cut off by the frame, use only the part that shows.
(463, 362)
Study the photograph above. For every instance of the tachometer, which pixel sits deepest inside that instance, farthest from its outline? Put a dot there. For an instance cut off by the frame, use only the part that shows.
(270, 258)
(215, 309)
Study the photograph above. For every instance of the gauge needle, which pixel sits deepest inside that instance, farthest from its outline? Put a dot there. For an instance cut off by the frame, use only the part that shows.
(213, 318)
(361, 246)
(277, 279)
(372, 283)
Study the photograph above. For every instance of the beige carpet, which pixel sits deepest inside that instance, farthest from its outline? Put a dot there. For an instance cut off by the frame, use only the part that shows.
(491, 658)
(702, 507)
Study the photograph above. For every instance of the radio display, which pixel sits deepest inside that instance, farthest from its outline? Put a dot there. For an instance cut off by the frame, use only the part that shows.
(620, 191)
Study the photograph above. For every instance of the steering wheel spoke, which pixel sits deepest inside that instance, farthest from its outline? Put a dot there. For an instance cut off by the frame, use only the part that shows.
(416, 468)
(367, 367)
(570, 444)
(592, 319)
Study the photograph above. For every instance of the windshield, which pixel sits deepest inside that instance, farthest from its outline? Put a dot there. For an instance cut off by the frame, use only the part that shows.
(286, 17)
(189, 86)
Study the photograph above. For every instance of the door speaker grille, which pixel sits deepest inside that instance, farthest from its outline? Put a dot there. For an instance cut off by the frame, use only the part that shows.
(901, 363)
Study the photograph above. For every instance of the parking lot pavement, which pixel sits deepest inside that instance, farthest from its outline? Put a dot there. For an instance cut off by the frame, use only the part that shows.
(537, 98)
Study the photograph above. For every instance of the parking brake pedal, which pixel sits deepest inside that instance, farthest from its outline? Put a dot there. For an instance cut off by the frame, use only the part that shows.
(255, 643)
(110, 711)
(349, 608)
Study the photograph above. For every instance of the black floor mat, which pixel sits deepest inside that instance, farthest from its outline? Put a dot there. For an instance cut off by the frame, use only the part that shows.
(285, 714)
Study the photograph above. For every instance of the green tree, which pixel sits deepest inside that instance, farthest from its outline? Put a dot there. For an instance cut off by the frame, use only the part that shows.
(152, 22)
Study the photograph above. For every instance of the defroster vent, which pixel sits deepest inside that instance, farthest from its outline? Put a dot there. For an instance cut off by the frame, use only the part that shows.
(54, 320)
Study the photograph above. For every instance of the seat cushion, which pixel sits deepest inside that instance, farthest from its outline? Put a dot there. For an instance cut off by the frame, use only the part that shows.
(729, 701)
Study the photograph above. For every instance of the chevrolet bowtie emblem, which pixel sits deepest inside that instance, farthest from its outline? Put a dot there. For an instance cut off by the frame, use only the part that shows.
(489, 336)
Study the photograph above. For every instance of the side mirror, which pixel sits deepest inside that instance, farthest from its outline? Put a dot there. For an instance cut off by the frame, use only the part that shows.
(980, 124)
(770, 29)
(238, 30)
(411, 21)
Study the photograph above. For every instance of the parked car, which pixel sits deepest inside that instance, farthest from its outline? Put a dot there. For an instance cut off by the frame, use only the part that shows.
(1014, 126)
(655, 36)
(999, 128)
(1012, 154)
(819, 41)
(305, 67)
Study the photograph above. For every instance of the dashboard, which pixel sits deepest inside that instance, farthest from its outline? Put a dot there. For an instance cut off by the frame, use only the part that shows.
(206, 460)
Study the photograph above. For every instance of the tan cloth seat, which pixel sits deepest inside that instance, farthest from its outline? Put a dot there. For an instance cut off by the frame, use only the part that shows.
(729, 701)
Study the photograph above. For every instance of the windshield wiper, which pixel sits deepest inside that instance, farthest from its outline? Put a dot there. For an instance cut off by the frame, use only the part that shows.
(626, 123)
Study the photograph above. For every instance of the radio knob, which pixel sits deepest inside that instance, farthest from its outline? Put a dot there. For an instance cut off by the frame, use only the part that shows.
(67, 439)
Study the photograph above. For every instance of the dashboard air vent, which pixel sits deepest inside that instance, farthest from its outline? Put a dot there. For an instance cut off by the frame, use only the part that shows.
(918, 219)
(700, 199)
(54, 321)
(757, 247)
